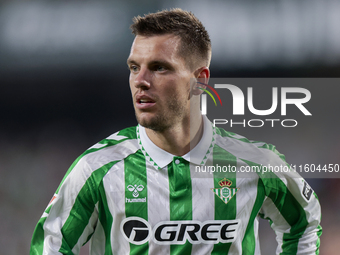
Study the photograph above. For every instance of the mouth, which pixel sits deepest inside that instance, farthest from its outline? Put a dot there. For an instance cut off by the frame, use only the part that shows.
(144, 102)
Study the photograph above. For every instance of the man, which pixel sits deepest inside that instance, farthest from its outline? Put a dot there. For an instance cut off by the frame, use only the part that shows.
(136, 191)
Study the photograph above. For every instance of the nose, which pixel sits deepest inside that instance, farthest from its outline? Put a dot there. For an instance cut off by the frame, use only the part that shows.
(143, 79)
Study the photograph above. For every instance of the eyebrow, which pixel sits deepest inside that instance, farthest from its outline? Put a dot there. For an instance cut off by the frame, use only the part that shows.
(131, 61)
(160, 62)
(152, 63)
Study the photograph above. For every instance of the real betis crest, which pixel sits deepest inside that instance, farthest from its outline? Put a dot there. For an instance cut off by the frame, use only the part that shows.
(225, 192)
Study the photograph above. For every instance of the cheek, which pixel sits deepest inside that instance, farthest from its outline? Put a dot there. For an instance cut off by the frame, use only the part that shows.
(183, 90)
(173, 90)
(177, 94)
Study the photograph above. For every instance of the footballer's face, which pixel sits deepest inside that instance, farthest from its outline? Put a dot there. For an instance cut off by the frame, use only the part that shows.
(159, 82)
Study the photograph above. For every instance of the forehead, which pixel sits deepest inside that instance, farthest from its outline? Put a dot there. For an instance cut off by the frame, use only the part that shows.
(155, 47)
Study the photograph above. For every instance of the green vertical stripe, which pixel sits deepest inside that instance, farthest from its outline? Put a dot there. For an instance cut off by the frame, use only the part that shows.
(180, 198)
(105, 219)
(82, 209)
(136, 188)
(224, 211)
(37, 245)
(249, 241)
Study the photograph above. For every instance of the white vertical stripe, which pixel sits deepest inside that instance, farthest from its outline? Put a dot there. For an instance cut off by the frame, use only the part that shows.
(280, 226)
(158, 203)
(115, 194)
(257, 240)
(97, 245)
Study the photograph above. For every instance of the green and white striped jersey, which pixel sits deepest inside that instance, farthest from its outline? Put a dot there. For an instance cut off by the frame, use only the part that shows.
(127, 196)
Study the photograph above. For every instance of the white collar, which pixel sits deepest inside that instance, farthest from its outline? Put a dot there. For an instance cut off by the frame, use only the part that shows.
(161, 158)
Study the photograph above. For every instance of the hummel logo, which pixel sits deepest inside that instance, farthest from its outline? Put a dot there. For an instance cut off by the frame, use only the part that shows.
(134, 189)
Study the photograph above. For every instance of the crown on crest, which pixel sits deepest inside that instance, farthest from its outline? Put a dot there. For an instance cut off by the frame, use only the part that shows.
(225, 183)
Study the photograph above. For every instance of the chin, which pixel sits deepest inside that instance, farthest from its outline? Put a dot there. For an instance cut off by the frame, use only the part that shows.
(157, 123)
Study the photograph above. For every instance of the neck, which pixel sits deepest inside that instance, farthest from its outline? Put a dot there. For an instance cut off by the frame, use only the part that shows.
(179, 138)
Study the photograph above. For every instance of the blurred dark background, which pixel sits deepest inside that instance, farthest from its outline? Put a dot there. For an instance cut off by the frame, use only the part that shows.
(64, 86)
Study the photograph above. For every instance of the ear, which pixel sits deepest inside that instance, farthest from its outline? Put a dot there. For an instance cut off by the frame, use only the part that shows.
(202, 77)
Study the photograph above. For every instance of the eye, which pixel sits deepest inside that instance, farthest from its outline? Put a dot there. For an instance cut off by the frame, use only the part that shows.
(160, 68)
(133, 68)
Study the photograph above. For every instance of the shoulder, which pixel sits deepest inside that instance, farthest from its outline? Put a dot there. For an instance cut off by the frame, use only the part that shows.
(100, 158)
(110, 150)
(248, 151)
(258, 157)
(229, 139)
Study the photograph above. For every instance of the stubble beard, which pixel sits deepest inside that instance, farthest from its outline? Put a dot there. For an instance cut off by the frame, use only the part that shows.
(165, 119)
